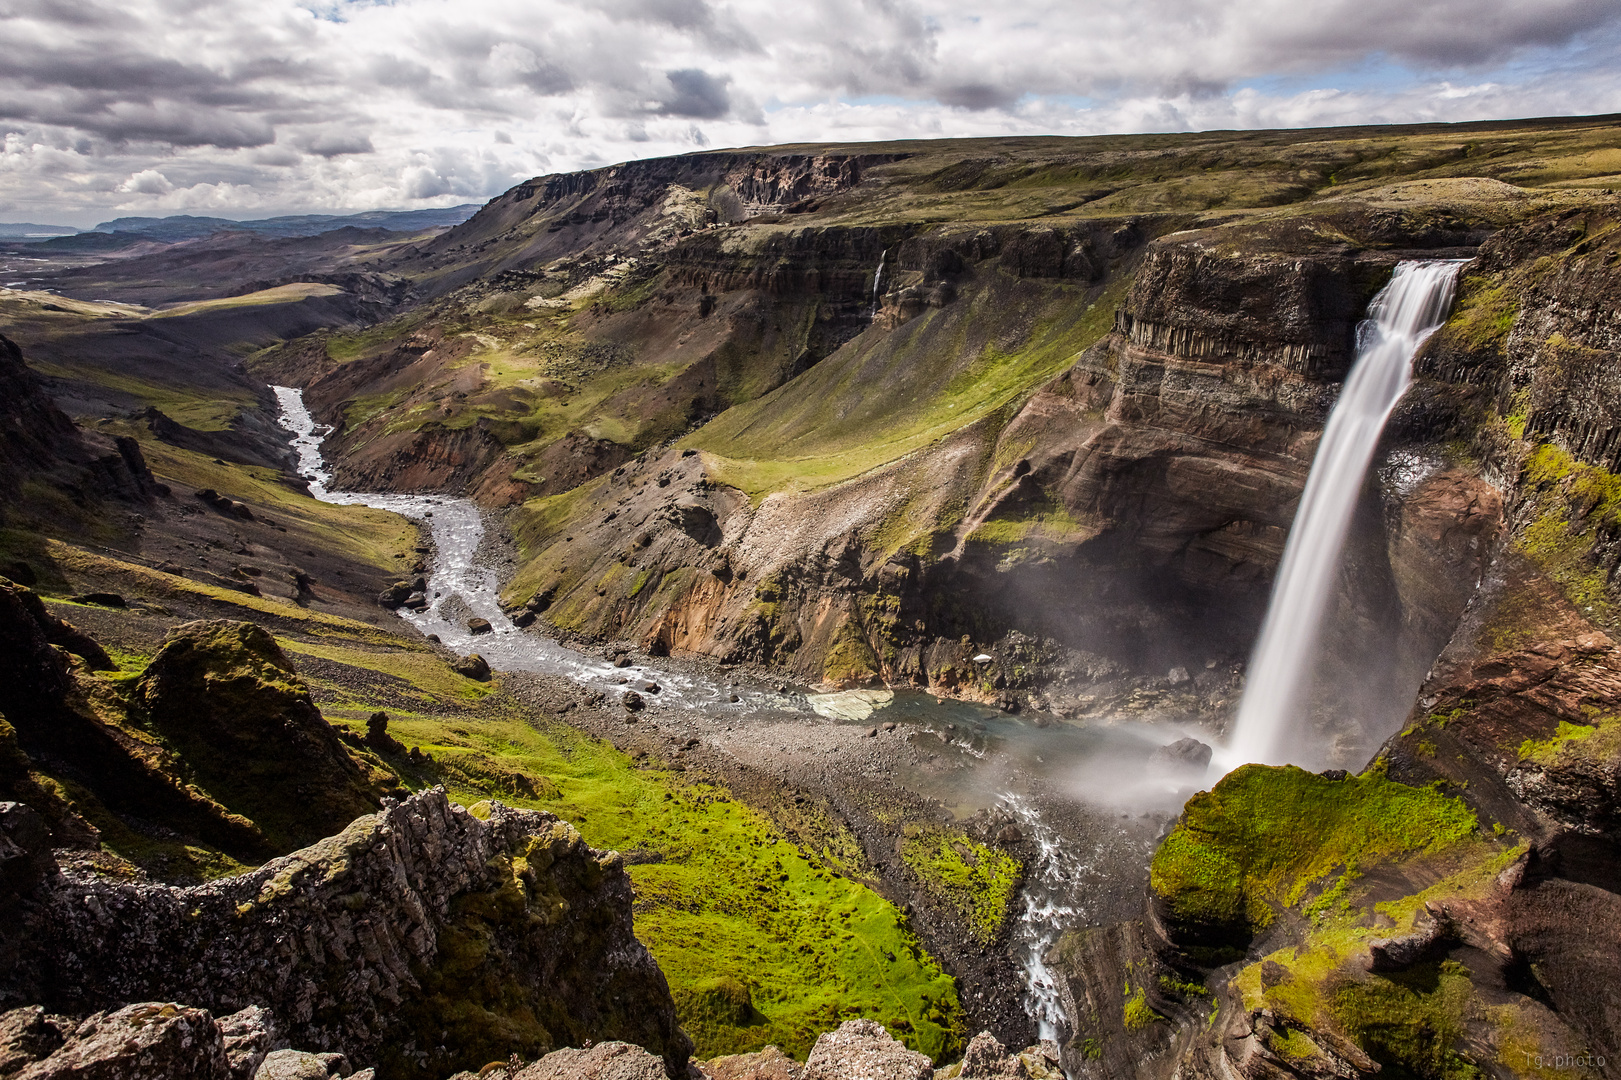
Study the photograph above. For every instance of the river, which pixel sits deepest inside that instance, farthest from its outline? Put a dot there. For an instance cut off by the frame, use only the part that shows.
(1081, 793)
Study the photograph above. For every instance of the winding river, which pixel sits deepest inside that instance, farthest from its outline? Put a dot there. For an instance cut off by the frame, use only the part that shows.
(1067, 787)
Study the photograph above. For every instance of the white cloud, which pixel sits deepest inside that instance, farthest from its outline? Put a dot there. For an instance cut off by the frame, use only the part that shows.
(146, 182)
(345, 104)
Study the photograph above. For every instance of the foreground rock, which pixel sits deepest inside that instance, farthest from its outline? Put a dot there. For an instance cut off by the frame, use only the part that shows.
(227, 699)
(863, 1050)
(155, 1040)
(425, 938)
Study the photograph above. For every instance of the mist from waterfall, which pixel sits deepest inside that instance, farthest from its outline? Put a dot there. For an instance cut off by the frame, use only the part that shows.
(1406, 311)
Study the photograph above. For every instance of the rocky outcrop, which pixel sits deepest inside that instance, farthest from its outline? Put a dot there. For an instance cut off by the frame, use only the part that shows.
(227, 700)
(237, 443)
(56, 723)
(156, 1041)
(423, 937)
(147, 1041)
(859, 1049)
(604, 1061)
(38, 441)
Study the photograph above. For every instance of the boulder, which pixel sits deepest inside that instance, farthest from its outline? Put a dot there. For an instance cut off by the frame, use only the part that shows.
(28, 1035)
(863, 1050)
(1182, 756)
(298, 1065)
(395, 595)
(480, 626)
(768, 1064)
(988, 1059)
(632, 701)
(227, 699)
(695, 518)
(148, 1041)
(249, 1036)
(473, 666)
(604, 1061)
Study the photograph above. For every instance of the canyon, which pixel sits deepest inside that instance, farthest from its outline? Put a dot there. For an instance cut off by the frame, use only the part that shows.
(991, 447)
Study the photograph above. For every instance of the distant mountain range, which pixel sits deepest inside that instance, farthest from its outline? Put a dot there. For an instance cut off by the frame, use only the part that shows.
(27, 230)
(187, 227)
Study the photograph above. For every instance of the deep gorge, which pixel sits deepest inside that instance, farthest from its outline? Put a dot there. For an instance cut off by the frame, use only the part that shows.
(1015, 505)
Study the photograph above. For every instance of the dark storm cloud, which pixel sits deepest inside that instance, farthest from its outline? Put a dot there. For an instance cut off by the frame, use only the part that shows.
(697, 95)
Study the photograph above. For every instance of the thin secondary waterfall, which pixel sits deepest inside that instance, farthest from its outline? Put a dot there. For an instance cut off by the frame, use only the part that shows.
(1405, 312)
(878, 279)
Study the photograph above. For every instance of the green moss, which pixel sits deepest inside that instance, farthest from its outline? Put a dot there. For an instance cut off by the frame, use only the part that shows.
(1293, 1045)
(1264, 836)
(724, 900)
(1044, 519)
(977, 881)
(1136, 1014)
(850, 659)
(1546, 751)
(1484, 316)
(1573, 508)
(1411, 1021)
(1183, 988)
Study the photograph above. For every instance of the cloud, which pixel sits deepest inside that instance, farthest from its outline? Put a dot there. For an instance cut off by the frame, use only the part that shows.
(146, 182)
(346, 105)
(335, 142)
(697, 95)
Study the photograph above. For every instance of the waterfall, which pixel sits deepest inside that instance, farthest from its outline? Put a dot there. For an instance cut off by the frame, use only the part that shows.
(1405, 312)
(878, 279)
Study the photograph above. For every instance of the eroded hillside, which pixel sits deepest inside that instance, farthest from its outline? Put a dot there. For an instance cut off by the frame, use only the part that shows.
(1018, 421)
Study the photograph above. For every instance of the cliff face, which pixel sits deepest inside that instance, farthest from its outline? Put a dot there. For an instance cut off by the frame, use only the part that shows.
(1124, 518)
(42, 450)
(1454, 908)
(424, 937)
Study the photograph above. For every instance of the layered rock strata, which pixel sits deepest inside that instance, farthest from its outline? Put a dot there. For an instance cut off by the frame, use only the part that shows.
(422, 937)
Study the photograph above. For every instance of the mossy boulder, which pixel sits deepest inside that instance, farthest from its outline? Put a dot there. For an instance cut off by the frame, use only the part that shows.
(225, 697)
(59, 724)
(1265, 838)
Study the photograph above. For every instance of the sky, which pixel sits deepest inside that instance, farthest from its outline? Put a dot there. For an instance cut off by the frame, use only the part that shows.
(250, 108)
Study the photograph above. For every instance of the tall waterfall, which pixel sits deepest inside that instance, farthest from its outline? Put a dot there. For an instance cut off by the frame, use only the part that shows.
(1405, 312)
(878, 279)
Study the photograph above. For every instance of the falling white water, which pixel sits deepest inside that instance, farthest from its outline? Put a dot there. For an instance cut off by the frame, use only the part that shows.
(1405, 312)
(878, 279)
